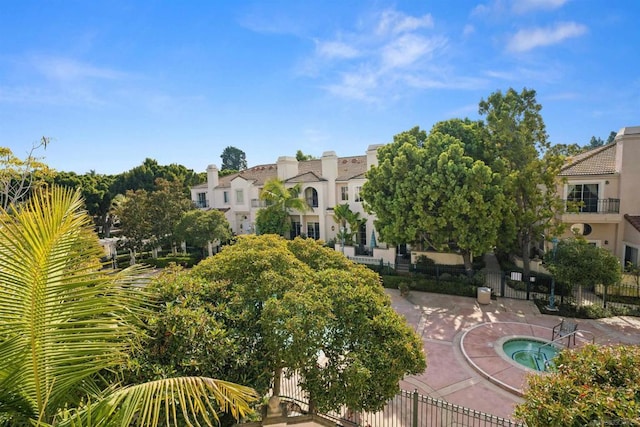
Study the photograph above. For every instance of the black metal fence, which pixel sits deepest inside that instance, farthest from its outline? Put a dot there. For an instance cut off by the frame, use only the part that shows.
(406, 409)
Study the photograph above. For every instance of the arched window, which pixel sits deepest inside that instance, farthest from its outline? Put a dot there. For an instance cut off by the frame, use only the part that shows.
(311, 196)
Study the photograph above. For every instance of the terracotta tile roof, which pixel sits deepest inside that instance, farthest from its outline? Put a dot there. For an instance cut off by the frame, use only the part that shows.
(308, 171)
(351, 167)
(306, 177)
(257, 174)
(599, 161)
(634, 220)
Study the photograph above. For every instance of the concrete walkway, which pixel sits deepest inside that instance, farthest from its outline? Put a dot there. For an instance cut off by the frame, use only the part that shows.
(441, 321)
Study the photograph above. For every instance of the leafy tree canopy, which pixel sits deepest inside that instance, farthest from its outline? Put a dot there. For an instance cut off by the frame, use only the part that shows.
(518, 135)
(18, 177)
(428, 190)
(284, 304)
(576, 262)
(199, 227)
(594, 385)
(144, 177)
(150, 218)
(233, 158)
(301, 157)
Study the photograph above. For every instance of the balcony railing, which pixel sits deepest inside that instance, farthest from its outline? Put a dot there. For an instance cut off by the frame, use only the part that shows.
(201, 204)
(257, 203)
(599, 206)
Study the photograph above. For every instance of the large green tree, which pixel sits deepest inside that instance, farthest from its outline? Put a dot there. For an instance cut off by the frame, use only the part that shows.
(281, 201)
(18, 177)
(576, 262)
(65, 324)
(518, 135)
(145, 176)
(149, 219)
(592, 386)
(200, 228)
(426, 190)
(233, 158)
(97, 193)
(298, 307)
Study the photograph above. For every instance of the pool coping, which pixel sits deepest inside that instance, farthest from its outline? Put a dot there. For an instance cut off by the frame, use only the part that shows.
(478, 346)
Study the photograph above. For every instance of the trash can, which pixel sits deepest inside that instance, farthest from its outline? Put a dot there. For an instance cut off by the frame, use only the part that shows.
(484, 295)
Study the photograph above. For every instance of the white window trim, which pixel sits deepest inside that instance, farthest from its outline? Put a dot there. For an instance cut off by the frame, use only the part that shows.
(601, 184)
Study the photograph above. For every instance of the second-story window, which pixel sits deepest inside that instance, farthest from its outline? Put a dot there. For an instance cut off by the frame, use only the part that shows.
(357, 197)
(586, 195)
(344, 193)
(225, 197)
(202, 200)
(239, 197)
(311, 196)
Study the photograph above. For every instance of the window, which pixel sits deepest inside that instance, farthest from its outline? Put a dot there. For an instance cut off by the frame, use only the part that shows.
(630, 256)
(239, 197)
(313, 230)
(362, 234)
(225, 197)
(357, 196)
(202, 200)
(584, 194)
(344, 193)
(311, 196)
(296, 229)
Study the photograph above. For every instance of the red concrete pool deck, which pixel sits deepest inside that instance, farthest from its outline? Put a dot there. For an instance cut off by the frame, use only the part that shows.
(460, 335)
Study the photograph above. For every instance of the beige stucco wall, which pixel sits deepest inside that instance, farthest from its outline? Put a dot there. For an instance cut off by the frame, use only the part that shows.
(444, 258)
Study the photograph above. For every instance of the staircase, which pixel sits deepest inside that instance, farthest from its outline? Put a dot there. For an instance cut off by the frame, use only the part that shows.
(403, 265)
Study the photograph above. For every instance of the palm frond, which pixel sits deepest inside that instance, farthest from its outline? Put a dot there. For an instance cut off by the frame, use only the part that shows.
(60, 316)
(168, 402)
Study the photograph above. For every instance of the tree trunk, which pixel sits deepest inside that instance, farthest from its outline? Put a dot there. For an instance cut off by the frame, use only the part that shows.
(312, 404)
(466, 258)
(277, 381)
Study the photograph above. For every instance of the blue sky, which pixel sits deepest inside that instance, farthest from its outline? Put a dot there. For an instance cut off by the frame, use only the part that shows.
(114, 82)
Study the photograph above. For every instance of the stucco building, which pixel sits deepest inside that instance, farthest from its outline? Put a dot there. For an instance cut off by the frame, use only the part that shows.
(325, 183)
(603, 184)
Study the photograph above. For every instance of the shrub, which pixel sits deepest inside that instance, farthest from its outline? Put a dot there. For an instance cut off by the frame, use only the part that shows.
(460, 287)
(591, 386)
(183, 260)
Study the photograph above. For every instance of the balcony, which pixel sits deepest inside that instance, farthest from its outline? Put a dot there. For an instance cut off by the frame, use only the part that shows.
(593, 206)
(201, 204)
(257, 203)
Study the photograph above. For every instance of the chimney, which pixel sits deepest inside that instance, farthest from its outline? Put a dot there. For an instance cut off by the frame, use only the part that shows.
(287, 167)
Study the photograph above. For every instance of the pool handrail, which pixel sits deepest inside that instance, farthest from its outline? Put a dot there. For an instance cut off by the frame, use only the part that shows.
(593, 337)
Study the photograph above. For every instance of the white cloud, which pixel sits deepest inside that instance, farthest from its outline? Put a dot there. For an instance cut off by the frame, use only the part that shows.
(66, 69)
(468, 30)
(356, 85)
(523, 6)
(336, 49)
(408, 49)
(394, 22)
(528, 39)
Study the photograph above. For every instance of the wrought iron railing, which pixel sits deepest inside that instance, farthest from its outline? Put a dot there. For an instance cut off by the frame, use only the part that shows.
(202, 204)
(406, 409)
(601, 206)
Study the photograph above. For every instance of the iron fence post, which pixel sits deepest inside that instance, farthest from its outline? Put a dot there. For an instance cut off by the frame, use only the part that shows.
(414, 421)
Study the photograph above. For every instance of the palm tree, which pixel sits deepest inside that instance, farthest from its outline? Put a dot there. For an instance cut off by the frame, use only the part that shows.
(280, 202)
(341, 214)
(65, 324)
(275, 193)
